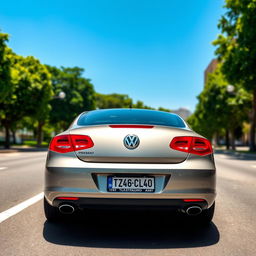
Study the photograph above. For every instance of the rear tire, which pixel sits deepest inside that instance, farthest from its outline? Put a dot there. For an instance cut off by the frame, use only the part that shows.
(52, 214)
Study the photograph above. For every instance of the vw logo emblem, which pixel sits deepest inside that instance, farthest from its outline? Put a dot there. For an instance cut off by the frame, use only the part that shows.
(131, 141)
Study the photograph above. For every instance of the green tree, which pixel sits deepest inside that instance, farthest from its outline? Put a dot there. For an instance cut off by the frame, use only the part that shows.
(5, 76)
(114, 100)
(218, 109)
(31, 90)
(140, 104)
(79, 91)
(164, 109)
(42, 93)
(236, 47)
(5, 68)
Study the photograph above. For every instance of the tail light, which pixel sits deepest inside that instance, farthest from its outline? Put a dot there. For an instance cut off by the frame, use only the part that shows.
(68, 198)
(69, 143)
(193, 200)
(81, 142)
(193, 145)
(61, 144)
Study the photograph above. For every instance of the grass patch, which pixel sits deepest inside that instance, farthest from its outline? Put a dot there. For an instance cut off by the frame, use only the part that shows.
(246, 152)
(32, 143)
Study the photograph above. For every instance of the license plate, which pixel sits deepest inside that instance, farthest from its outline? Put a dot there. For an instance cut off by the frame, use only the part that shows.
(131, 184)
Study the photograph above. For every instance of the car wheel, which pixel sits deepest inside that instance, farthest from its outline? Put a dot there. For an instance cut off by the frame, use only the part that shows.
(51, 213)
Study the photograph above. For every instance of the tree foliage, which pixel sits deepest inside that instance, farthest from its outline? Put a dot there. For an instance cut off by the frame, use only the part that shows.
(140, 104)
(218, 109)
(114, 100)
(5, 68)
(31, 90)
(79, 91)
(164, 109)
(236, 48)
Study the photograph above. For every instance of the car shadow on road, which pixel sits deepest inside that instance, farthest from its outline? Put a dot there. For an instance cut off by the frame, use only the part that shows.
(134, 230)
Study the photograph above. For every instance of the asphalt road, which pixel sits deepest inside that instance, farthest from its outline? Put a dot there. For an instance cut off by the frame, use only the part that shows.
(232, 232)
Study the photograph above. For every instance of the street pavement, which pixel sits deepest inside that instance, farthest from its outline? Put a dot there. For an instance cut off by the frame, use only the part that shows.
(232, 232)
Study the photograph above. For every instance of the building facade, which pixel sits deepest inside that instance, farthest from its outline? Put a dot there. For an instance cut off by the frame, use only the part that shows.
(210, 69)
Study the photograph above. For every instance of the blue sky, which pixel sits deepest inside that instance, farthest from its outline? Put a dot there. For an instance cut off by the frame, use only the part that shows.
(154, 51)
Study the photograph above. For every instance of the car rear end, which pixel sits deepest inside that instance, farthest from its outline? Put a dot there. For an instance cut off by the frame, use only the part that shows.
(130, 158)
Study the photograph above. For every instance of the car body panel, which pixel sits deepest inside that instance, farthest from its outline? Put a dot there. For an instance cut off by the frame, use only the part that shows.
(109, 146)
(189, 179)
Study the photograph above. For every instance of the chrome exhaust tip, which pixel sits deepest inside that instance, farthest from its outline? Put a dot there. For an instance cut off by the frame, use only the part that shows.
(193, 210)
(66, 209)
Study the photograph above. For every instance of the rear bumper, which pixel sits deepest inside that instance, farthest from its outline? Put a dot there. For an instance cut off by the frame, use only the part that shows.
(67, 176)
(128, 203)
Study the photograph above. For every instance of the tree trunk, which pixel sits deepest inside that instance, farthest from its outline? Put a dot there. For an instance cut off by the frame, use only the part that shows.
(13, 136)
(40, 133)
(233, 145)
(227, 139)
(253, 123)
(7, 135)
(217, 139)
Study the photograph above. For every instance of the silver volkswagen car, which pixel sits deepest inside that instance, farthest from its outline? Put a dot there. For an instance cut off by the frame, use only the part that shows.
(136, 158)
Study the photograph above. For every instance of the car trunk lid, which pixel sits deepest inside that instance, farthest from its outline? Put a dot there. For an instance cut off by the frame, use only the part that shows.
(114, 144)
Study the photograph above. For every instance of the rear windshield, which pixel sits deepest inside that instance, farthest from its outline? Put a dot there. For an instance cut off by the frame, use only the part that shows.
(130, 116)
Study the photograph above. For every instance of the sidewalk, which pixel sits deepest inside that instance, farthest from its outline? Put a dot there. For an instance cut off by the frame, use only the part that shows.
(22, 148)
(242, 152)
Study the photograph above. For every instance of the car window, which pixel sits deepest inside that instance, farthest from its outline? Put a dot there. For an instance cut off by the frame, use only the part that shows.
(130, 116)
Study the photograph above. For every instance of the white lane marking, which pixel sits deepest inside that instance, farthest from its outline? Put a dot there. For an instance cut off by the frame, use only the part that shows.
(18, 208)
(3, 168)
